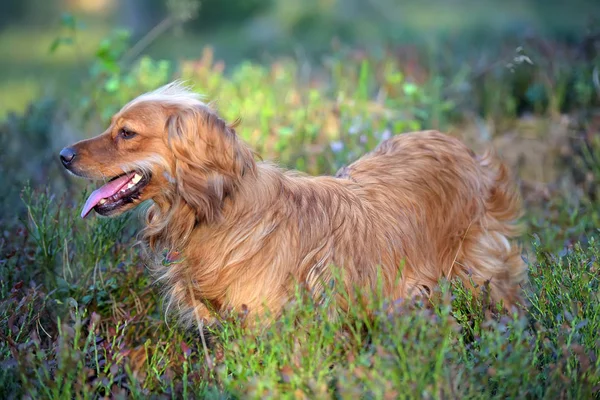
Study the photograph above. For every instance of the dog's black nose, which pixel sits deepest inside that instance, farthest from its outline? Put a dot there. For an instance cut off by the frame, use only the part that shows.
(67, 155)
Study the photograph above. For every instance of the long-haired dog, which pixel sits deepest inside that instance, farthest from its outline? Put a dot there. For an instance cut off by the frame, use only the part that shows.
(230, 233)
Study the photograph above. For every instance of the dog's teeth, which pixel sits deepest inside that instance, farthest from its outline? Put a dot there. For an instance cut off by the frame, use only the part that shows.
(130, 185)
(102, 201)
(136, 178)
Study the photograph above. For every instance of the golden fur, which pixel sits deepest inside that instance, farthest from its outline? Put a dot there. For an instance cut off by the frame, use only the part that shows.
(420, 207)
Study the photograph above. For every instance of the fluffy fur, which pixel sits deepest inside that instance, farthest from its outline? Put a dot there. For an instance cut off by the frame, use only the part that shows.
(239, 233)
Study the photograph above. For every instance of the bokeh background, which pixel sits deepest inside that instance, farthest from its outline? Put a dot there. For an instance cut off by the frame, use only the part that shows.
(261, 30)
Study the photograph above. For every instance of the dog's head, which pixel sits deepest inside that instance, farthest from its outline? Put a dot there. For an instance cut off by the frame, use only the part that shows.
(163, 144)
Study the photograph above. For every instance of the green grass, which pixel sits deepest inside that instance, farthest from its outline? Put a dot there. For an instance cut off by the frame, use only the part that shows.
(80, 316)
(104, 332)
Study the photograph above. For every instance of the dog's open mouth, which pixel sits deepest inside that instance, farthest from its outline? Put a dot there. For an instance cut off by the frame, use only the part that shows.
(119, 191)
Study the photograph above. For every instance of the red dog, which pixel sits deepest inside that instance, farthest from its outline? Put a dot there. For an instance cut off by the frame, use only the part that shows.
(247, 232)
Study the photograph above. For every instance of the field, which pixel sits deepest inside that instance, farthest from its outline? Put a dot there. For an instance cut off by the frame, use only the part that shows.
(81, 317)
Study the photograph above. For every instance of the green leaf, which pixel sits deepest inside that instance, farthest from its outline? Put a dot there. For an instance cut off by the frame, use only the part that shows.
(55, 44)
(112, 85)
(87, 299)
(410, 89)
(62, 284)
(67, 20)
(103, 49)
(110, 65)
(363, 80)
(395, 77)
(285, 131)
(59, 41)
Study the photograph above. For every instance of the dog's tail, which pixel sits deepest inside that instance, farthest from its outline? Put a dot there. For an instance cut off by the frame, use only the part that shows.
(489, 251)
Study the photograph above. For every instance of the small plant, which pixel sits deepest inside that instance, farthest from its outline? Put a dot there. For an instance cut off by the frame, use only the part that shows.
(47, 230)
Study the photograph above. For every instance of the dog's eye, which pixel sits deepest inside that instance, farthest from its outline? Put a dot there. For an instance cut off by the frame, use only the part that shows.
(126, 133)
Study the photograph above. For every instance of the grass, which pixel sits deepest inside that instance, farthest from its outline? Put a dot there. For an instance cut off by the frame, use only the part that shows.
(105, 333)
(80, 317)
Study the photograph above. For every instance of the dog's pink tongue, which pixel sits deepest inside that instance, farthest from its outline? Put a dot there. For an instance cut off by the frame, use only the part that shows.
(103, 192)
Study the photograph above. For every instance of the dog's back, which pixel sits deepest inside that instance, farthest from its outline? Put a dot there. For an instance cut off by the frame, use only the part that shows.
(449, 213)
(422, 206)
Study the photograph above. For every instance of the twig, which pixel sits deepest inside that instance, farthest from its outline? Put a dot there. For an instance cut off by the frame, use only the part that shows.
(147, 40)
(596, 79)
(200, 324)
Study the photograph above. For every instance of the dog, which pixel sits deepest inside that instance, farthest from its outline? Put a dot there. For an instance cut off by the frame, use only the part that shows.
(226, 232)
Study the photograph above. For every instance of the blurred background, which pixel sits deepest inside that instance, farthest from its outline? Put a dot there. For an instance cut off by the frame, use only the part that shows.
(316, 83)
(262, 30)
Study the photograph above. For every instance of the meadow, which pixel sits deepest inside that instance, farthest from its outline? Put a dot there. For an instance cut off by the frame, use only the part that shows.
(81, 317)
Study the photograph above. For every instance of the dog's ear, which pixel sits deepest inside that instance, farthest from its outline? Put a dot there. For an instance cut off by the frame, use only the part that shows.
(210, 160)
